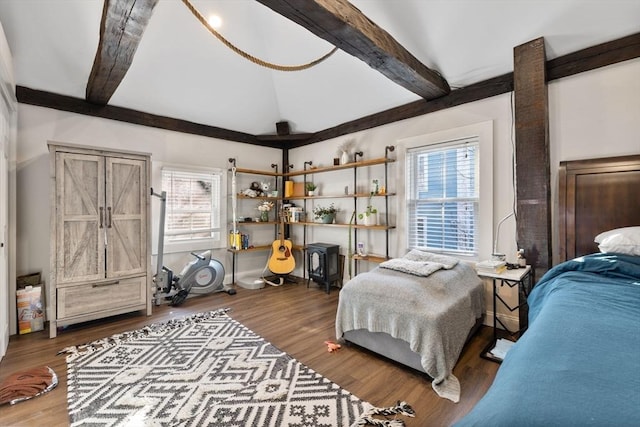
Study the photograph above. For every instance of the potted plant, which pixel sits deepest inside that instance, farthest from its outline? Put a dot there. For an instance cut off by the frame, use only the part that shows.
(264, 209)
(311, 188)
(326, 214)
(370, 215)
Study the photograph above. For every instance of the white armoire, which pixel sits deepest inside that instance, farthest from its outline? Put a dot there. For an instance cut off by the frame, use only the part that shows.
(100, 238)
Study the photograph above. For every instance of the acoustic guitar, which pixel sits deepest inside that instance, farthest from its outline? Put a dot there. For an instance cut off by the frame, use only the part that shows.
(281, 260)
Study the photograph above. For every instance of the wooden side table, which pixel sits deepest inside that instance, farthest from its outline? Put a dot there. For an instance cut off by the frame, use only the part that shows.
(523, 279)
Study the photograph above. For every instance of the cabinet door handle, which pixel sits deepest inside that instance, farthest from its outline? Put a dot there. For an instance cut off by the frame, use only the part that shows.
(101, 217)
(109, 217)
(100, 285)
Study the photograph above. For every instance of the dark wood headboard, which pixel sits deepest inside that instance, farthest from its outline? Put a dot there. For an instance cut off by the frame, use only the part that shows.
(594, 196)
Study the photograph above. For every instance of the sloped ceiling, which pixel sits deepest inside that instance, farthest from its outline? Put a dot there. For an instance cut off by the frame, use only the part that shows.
(181, 71)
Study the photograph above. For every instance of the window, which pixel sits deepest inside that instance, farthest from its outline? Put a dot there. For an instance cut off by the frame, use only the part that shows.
(442, 196)
(193, 209)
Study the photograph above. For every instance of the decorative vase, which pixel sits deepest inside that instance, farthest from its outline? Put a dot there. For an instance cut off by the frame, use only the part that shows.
(264, 216)
(371, 219)
(344, 159)
(328, 218)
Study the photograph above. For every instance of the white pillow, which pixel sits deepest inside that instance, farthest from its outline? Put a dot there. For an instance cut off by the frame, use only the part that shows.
(624, 240)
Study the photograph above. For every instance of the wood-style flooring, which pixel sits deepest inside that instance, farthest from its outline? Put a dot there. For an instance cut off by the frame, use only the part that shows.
(292, 317)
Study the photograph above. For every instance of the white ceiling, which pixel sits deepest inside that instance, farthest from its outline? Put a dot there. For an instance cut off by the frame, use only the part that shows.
(182, 71)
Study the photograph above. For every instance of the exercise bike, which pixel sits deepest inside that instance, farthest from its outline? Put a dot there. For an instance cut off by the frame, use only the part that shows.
(203, 275)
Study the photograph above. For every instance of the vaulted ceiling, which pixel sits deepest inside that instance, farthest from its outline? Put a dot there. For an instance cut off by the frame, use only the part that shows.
(157, 58)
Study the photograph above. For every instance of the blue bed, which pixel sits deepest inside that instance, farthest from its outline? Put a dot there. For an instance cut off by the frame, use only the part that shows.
(578, 364)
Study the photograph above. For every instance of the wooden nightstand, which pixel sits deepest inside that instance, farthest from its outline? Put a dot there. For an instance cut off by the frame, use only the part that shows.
(521, 277)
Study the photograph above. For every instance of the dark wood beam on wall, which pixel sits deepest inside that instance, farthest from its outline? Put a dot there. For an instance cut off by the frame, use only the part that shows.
(583, 60)
(593, 57)
(343, 25)
(475, 92)
(123, 23)
(533, 195)
(80, 106)
(601, 55)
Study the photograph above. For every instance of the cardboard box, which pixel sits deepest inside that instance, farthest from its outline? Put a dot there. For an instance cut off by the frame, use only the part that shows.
(299, 189)
(32, 279)
(30, 309)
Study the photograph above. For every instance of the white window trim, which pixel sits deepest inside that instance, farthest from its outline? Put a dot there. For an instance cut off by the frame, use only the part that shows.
(484, 132)
(192, 245)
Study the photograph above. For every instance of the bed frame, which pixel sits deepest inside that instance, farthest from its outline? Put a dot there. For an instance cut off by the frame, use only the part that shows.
(392, 348)
(596, 195)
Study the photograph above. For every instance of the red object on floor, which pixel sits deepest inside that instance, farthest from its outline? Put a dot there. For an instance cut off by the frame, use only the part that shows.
(331, 346)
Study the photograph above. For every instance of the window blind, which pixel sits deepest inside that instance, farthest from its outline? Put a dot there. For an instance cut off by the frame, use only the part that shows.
(193, 204)
(442, 196)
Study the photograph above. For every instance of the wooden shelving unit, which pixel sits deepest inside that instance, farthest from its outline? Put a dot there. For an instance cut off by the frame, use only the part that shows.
(281, 176)
(241, 224)
(355, 165)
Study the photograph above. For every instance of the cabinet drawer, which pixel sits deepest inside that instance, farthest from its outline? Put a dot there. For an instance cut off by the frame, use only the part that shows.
(88, 298)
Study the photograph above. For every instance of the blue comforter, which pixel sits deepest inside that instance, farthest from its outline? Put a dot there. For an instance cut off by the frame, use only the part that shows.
(578, 364)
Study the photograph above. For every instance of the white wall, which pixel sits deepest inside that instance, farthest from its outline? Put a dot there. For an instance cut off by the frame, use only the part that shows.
(594, 114)
(8, 127)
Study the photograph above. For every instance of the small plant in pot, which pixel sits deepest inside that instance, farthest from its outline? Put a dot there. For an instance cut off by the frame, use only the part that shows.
(326, 214)
(311, 188)
(369, 216)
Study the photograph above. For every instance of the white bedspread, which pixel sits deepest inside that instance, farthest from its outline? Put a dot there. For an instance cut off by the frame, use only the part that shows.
(433, 314)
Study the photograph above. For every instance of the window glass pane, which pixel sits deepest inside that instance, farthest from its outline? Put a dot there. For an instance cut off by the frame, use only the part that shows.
(443, 196)
(193, 204)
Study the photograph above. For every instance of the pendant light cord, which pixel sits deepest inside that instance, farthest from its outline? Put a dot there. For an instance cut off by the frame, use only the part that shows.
(248, 56)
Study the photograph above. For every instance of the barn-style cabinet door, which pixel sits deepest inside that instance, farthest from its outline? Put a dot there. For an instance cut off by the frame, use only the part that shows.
(125, 219)
(100, 234)
(80, 227)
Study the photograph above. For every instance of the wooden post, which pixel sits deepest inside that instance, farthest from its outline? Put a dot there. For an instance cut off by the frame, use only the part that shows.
(533, 195)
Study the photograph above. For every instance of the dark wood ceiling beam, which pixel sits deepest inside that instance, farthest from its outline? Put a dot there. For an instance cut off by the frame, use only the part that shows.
(624, 49)
(601, 55)
(80, 106)
(475, 92)
(345, 26)
(123, 23)
(594, 57)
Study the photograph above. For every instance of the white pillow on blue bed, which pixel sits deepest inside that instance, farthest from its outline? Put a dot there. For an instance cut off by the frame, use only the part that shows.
(624, 240)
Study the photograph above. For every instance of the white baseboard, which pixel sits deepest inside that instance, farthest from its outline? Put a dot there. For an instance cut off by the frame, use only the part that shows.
(511, 321)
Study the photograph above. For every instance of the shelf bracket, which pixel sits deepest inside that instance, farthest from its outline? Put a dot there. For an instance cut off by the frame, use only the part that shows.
(356, 155)
(387, 149)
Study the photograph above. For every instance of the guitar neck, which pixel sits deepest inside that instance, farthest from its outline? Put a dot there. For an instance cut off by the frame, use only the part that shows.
(281, 230)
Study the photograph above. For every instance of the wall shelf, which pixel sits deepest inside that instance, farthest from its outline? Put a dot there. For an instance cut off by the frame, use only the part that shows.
(355, 165)
(339, 196)
(354, 227)
(371, 258)
(352, 165)
(360, 226)
(237, 225)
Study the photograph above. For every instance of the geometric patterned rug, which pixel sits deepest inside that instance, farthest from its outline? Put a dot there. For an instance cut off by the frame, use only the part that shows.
(203, 370)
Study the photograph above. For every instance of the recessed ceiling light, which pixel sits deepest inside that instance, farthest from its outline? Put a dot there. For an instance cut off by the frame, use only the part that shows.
(215, 21)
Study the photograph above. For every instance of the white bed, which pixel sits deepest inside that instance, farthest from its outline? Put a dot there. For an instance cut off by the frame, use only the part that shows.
(420, 321)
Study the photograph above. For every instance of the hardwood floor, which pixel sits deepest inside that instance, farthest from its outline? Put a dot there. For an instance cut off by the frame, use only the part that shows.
(295, 319)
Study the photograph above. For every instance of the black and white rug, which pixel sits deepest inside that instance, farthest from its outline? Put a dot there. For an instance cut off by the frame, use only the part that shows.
(206, 369)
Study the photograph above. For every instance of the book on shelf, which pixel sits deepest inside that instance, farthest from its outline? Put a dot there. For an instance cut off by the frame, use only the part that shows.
(491, 266)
